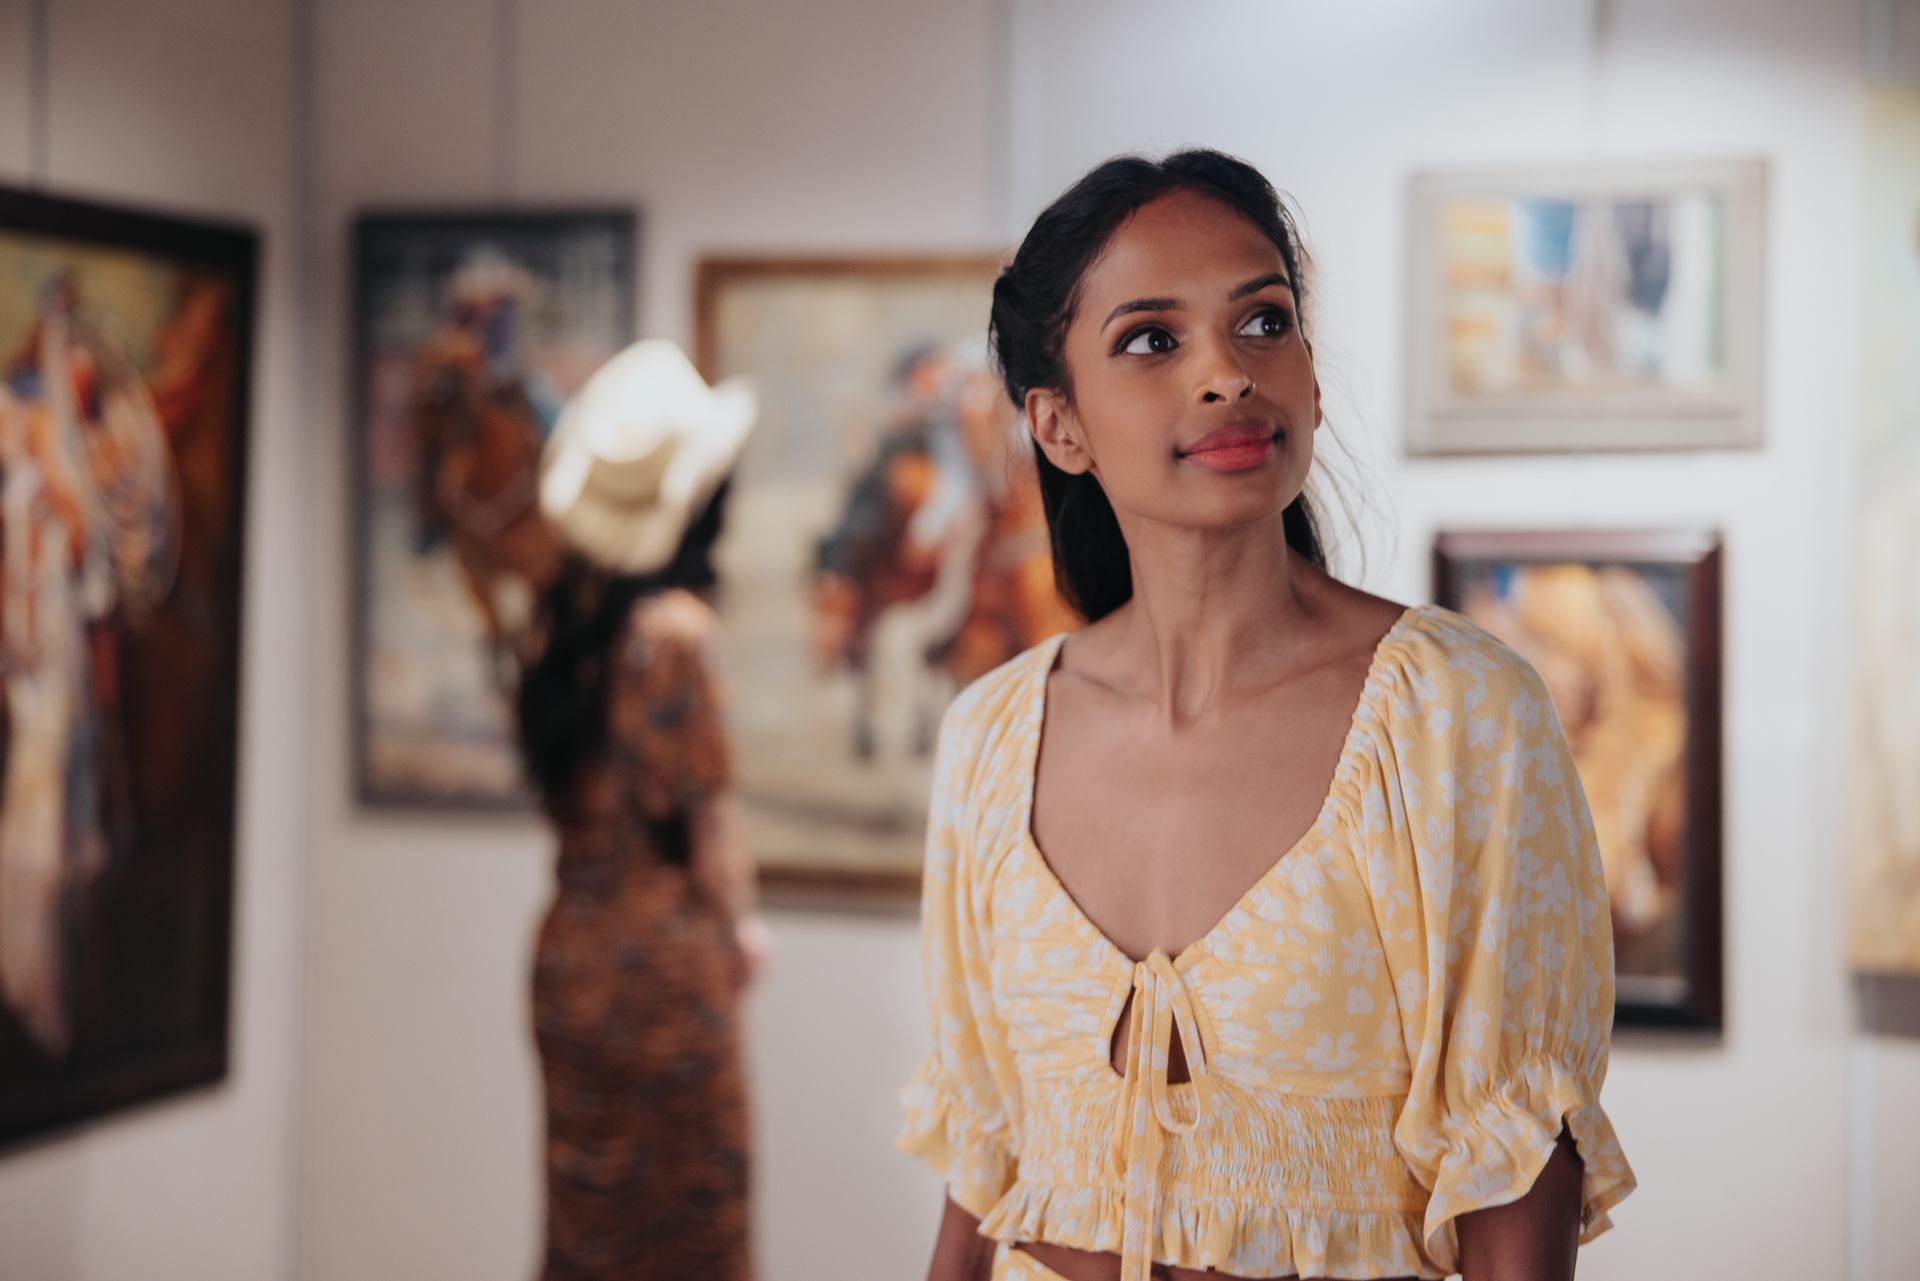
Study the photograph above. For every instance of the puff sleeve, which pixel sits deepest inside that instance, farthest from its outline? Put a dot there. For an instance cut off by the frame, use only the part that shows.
(961, 1114)
(1493, 907)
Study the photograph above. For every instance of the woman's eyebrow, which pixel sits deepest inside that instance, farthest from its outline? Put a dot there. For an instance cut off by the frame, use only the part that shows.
(1140, 304)
(1255, 285)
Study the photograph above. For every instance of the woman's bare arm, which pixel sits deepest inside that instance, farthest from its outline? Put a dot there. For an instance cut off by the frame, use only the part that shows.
(719, 859)
(1534, 1238)
(960, 1253)
(724, 871)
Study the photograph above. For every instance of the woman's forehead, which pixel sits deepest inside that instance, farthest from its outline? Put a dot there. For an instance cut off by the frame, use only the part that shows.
(1184, 246)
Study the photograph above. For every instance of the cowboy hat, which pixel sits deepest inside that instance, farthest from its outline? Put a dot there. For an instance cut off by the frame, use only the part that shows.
(637, 454)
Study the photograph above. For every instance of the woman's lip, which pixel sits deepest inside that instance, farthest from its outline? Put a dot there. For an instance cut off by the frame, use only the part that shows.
(1237, 457)
(1232, 436)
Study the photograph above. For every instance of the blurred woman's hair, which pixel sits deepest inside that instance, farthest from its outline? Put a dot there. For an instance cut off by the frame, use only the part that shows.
(1033, 302)
(562, 701)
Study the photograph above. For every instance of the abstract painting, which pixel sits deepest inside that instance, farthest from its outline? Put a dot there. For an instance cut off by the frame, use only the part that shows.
(125, 343)
(471, 331)
(1624, 627)
(1605, 309)
(884, 545)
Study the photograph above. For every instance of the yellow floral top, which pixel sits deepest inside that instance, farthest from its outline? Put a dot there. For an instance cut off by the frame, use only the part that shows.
(1388, 1030)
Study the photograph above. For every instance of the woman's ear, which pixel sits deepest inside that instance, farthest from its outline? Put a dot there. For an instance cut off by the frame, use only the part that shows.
(1056, 431)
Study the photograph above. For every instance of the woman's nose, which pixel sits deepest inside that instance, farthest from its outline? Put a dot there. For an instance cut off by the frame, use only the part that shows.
(1222, 375)
(1225, 380)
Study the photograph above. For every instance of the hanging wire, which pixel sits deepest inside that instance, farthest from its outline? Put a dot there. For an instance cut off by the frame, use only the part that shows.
(1000, 212)
(1602, 24)
(506, 38)
(1877, 33)
(39, 121)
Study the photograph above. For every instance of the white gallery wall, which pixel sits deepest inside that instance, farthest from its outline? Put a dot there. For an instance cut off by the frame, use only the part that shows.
(1339, 105)
(382, 1116)
(734, 126)
(869, 126)
(1884, 1101)
(1785, 1148)
(190, 107)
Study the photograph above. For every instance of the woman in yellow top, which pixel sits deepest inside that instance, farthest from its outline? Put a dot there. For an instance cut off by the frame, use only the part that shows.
(1197, 1009)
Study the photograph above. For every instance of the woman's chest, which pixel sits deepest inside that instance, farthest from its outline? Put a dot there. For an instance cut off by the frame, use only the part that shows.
(1155, 835)
(1289, 987)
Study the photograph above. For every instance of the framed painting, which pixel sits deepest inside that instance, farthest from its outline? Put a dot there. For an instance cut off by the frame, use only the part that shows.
(884, 545)
(471, 329)
(1624, 626)
(1884, 808)
(125, 346)
(1590, 309)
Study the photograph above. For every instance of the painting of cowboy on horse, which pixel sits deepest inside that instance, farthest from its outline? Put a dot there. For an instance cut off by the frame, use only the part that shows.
(123, 351)
(473, 330)
(885, 545)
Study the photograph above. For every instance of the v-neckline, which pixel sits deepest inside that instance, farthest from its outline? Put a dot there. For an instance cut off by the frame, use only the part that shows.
(1047, 660)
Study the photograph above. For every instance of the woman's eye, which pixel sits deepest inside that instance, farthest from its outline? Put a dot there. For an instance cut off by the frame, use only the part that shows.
(1268, 322)
(1150, 341)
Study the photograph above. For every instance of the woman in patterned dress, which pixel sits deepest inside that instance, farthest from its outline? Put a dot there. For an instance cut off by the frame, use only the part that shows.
(652, 932)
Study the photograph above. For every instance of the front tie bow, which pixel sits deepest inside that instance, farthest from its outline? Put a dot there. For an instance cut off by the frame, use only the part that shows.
(1146, 1107)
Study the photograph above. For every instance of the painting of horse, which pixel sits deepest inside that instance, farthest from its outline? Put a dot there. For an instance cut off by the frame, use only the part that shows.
(471, 331)
(885, 545)
(125, 343)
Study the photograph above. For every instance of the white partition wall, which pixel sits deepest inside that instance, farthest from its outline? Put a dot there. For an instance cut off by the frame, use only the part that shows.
(190, 107)
(734, 126)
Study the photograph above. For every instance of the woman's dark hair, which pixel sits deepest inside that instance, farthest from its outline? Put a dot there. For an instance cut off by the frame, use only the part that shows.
(1033, 301)
(562, 701)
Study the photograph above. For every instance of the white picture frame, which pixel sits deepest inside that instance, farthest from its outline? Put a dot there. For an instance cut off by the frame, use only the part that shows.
(1599, 308)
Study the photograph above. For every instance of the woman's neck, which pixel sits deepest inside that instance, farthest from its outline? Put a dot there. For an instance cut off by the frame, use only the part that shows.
(1213, 614)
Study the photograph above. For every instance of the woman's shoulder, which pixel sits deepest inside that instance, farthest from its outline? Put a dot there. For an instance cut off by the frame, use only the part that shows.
(988, 731)
(670, 625)
(1438, 664)
(1005, 694)
(670, 636)
(674, 616)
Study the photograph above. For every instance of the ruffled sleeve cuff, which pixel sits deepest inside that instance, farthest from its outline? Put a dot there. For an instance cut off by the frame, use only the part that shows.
(1497, 1148)
(973, 1157)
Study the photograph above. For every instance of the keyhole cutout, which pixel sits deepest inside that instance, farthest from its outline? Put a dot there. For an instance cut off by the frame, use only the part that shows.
(1176, 1054)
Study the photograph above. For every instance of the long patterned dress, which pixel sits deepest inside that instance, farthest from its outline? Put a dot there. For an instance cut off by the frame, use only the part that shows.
(636, 986)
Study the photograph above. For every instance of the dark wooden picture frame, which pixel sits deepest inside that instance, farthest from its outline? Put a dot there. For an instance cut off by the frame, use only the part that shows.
(1654, 597)
(431, 726)
(148, 320)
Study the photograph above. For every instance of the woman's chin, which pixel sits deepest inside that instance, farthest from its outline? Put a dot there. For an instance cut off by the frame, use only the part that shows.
(1246, 514)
